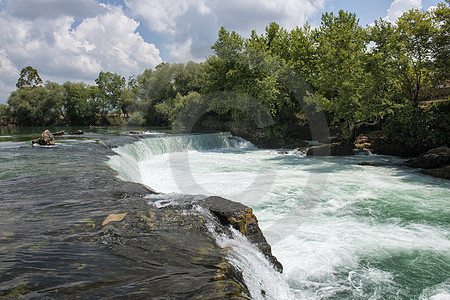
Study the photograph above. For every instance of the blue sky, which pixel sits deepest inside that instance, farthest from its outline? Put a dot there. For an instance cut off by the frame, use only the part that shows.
(76, 39)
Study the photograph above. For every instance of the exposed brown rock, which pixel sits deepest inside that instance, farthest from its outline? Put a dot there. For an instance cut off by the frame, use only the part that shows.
(377, 143)
(76, 132)
(241, 217)
(443, 172)
(435, 158)
(335, 149)
(136, 132)
(46, 139)
(58, 133)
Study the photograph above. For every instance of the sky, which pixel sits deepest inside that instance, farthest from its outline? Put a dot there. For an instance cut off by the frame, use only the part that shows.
(74, 40)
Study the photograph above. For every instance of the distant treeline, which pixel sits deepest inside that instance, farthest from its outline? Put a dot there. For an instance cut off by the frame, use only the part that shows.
(359, 77)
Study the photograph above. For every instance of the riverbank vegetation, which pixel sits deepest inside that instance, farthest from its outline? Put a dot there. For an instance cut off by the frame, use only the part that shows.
(390, 77)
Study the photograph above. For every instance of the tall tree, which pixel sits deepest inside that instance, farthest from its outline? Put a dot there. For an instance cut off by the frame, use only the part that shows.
(340, 72)
(415, 32)
(29, 77)
(110, 87)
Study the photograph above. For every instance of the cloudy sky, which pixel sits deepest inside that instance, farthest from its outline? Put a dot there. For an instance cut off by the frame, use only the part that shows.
(76, 39)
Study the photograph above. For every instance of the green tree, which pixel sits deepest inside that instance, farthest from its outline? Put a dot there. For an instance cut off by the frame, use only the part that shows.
(415, 32)
(5, 115)
(29, 77)
(441, 41)
(110, 89)
(340, 73)
(36, 106)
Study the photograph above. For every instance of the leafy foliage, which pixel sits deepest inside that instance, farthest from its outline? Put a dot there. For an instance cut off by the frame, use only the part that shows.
(268, 83)
(29, 77)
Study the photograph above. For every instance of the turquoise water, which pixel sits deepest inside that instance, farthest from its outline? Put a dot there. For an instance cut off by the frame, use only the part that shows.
(341, 231)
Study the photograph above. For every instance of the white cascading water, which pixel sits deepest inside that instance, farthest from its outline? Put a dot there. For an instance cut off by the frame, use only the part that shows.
(340, 230)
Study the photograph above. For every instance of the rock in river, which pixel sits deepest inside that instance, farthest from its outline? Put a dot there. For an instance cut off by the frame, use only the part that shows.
(434, 158)
(241, 217)
(46, 139)
(435, 162)
(76, 132)
(334, 149)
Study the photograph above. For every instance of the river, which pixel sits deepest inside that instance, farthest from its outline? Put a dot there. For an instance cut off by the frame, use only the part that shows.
(341, 230)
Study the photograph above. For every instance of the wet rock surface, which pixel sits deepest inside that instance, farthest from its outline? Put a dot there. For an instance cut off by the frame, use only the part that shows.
(76, 132)
(377, 143)
(46, 139)
(241, 217)
(435, 162)
(442, 172)
(136, 132)
(58, 133)
(435, 158)
(53, 244)
(371, 164)
(341, 148)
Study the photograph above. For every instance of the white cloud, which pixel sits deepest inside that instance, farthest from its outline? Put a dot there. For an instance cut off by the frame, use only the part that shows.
(31, 9)
(106, 42)
(10, 74)
(195, 23)
(161, 15)
(398, 7)
(181, 52)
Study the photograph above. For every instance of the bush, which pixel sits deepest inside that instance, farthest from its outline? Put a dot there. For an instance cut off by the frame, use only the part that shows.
(428, 129)
(5, 115)
(136, 119)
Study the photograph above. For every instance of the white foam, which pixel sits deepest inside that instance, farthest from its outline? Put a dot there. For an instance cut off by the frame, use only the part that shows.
(322, 216)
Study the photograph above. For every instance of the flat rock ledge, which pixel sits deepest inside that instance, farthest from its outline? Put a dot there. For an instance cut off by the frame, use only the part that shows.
(180, 241)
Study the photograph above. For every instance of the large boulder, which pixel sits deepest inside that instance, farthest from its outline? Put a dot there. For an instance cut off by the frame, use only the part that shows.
(377, 143)
(334, 149)
(241, 217)
(443, 172)
(46, 139)
(435, 158)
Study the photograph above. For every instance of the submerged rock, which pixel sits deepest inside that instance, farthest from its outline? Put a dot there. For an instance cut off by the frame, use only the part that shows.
(435, 158)
(46, 139)
(241, 217)
(114, 218)
(334, 149)
(367, 163)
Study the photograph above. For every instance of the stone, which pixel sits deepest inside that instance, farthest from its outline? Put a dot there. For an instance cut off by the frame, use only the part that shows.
(241, 217)
(435, 158)
(443, 172)
(366, 163)
(136, 132)
(46, 139)
(76, 132)
(283, 152)
(341, 148)
(377, 143)
(58, 133)
(114, 218)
